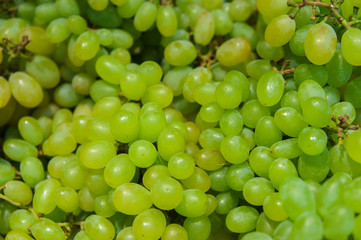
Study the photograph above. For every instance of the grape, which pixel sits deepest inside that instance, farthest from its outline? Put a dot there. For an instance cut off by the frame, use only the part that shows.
(170, 142)
(166, 20)
(256, 190)
(25, 89)
(166, 193)
(198, 180)
(204, 28)
(180, 53)
(44, 197)
(21, 219)
(267, 132)
(242, 219)
(44, 228)
(131, 199)
(109, 69)
(288, 148)
(307, 226)
(316, 73)
(99, 227)
(289, 121)
(350, 46)
(320, 43)
(314, 167)
(228, 95)
(279, 170)
(272, 8)
(226, 201)
(260, 159)
(57, 30)
(197, 228)
(32, 171)
(7, 172)
(296, 43)
(353, 142)
(233, 51)
(273, 208)
(316, 112)
(181, 165)
(339, 70)
(312, 141)
(218, 179)
(18, 192)
(351, 91)
(234, 149)
(222, 22)
(280, 30)
(124, 120)
(174, 232)
(193, 204)
(96, 155)
(150, 224)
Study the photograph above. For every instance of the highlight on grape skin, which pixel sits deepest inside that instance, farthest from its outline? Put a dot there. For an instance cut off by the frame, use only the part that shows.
(180, 119)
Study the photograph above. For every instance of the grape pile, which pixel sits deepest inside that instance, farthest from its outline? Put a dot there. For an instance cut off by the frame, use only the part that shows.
(180, 119)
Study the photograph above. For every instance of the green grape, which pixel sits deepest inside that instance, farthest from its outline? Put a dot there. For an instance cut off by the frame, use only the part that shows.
(226, 201)
(109, 68)
(228, 95)
(352, 89)
(304, 72)
(242, 219)
(18, 192)
(5, 92)
(231, 122)
(350, 46)
(151, 72)
(267, 132)
(44, 228)
(98, 5)
(195, 78)
(280, 31)
(356, 230)
(312, 141)
(279, 170)
(289, 121)
(73, 175)
(57, 164)
(76, 24)
(290, 99)
(297, 42)
(145, 16)
(339, 70)
(233, 51)
(338, 223)
(353, 142)
(122, 55)
(86, 200)
(106, 107)
(181, 165)
(256, 190)
(240, 10)
(211, 138)
(142, 153)
(296, 197)
(96, 155)
(256, 236)
(62, 143)
(258, 67)
(66, 199)
(212, 204)
(67, 8)
(252, 111)
(44, 70)
(307, 226)
(265, 225)
(344, 109)
(197, 228)
(167, 193)
(211, 112)
(82, 236)
(314, 167)
(99, 227)
(260, 159)
(304, 15)
(133, 85)
(151, 124)
(124, 126)
(340, 161)
(39, 43)
(149, 224)
(222, 22)
(283, 230)
(238, 78)
(126, 234)
(21, 219)
(180, 53)
(174, 232)
(204, 28)
(320, 43)
(66, 96)
(131, 199)
(96, 184)
(32, 171)
(25, 89)
(86, 45)
(273, 208)
(153, 174)
(119, 170)
(7, 173)
(317, 112)
(193, 204)
(103, 206)
(17, 149)
(166, 21)
(218, 179)
(193, 132)
(265, 51)
(44, 197)
(198, 180)
(158, 93)
(234, 149)
(30, 130)
(351, 194)
(270, 88)
(272, 8)
(178, 124)
(170, 142)
(57, 30)
(121, 39)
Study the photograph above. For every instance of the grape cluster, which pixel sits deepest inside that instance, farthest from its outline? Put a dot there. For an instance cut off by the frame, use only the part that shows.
(176, 120)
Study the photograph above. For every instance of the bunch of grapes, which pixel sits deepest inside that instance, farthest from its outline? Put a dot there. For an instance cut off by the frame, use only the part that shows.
(180, 119)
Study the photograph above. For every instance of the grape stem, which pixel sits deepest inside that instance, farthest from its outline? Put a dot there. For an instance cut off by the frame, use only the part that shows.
(2, 196)
(318, 3)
